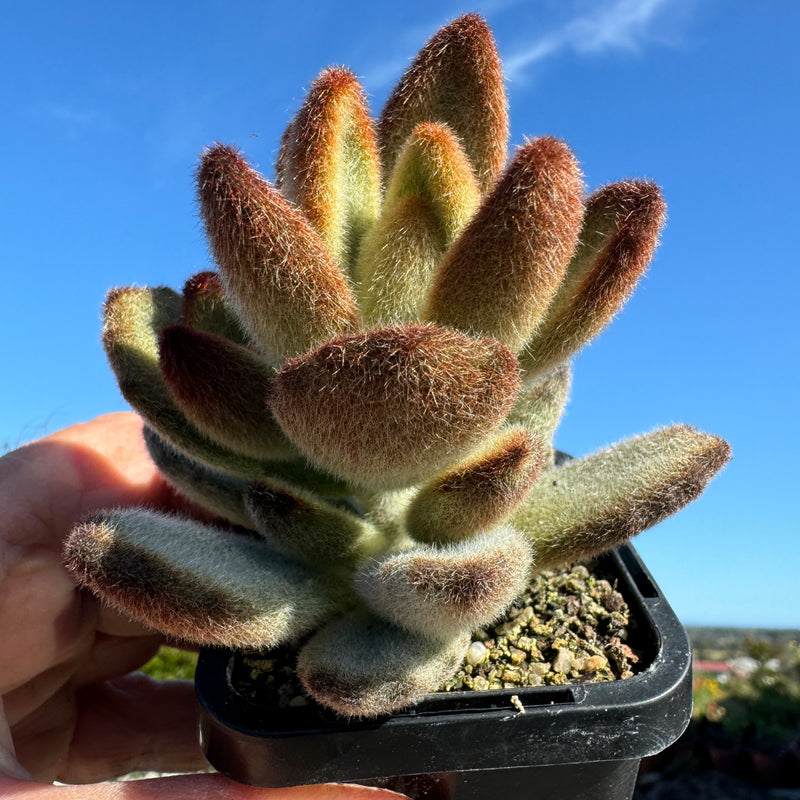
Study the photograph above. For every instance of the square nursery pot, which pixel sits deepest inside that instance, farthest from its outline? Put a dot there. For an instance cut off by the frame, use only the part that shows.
(573, 741)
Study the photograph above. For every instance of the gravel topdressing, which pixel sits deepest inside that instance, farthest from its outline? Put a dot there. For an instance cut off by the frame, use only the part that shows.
(570, 627)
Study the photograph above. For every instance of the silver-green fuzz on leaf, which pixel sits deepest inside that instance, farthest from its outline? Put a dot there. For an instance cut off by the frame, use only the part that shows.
(364, 395)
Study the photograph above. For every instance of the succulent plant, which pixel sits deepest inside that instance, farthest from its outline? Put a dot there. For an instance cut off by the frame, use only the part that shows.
(365, 393)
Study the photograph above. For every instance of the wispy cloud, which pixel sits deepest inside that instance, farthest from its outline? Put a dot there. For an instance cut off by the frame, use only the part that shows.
(609, 25)
(585, 27)
(381, 75)
(69, 120)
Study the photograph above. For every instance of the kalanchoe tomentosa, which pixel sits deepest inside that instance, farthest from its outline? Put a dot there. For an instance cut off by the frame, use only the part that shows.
(367, 389)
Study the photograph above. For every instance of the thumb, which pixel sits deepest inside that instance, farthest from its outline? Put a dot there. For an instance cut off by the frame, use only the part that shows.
(8, 756)
(186, 787)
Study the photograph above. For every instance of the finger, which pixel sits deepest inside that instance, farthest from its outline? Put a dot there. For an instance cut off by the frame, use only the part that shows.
(134, 723)
(97, 464)
(8, 756)
(38, 692)
(186, 787)
(109, 657)
(103, 731)
(118, 469)
(113, 656)
(114, 438)
(142, 724)
(114, 624)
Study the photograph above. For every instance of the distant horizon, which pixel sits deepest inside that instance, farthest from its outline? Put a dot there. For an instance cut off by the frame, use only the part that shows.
(746, 629)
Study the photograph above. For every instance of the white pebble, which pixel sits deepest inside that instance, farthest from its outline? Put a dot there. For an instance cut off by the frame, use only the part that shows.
(476, 653)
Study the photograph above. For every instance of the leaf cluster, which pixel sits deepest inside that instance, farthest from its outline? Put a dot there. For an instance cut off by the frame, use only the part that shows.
(365, 391)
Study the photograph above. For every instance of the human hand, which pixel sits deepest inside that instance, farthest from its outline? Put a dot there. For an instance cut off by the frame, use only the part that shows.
(74, 711)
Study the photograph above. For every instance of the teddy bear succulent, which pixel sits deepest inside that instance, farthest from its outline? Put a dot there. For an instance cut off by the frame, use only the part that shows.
(364, 394)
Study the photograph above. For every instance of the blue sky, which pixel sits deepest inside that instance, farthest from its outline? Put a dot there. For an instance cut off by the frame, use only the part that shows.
(106, 107)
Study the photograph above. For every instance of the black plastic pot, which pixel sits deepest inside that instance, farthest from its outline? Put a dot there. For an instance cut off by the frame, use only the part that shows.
(573, 742)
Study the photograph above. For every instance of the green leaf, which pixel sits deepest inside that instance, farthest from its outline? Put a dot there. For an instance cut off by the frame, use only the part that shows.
(222, 387)
(480, 492)
(304, 526)
(592, 504)
(204, 307)
(362, 666)
(457, 79)
(212, 490)
(501, 273)
(278, 276)
(133, 320)
(195, 582)
(398, 259)
(618, 239)
(328, 163)
(438, 591)
(540, 405)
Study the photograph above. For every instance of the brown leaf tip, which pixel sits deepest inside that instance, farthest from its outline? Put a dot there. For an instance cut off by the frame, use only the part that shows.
(461, 54)
(183, 350)
(337, 84)
(683, 486)
(519, 449)
(387, 354)
(115, 293)
(225, 184)
(204, 306)
(336, 79)
(310, 129)
(85, 545)
(216, 164)
(550, 163)
(716, 454)
(467, 38)
(230, 189)
(639, 207)
(462, 586)
(203, 284)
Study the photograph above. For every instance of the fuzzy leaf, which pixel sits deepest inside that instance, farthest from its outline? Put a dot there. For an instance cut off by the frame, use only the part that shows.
(386, 510)
(219, 493)
(328, 163)
(204, 307)
(398, 259)
(479, 493)
(133, 320)
(619, 236)
(457, 79)
(277, 274)
(222, 387)
(433, 165)
(195, 582)
(431, 196)
(592, 504)
(540, 405)
(362, 666)
(500, 275)
(391, 406)
(306, 527)
(438, 591)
